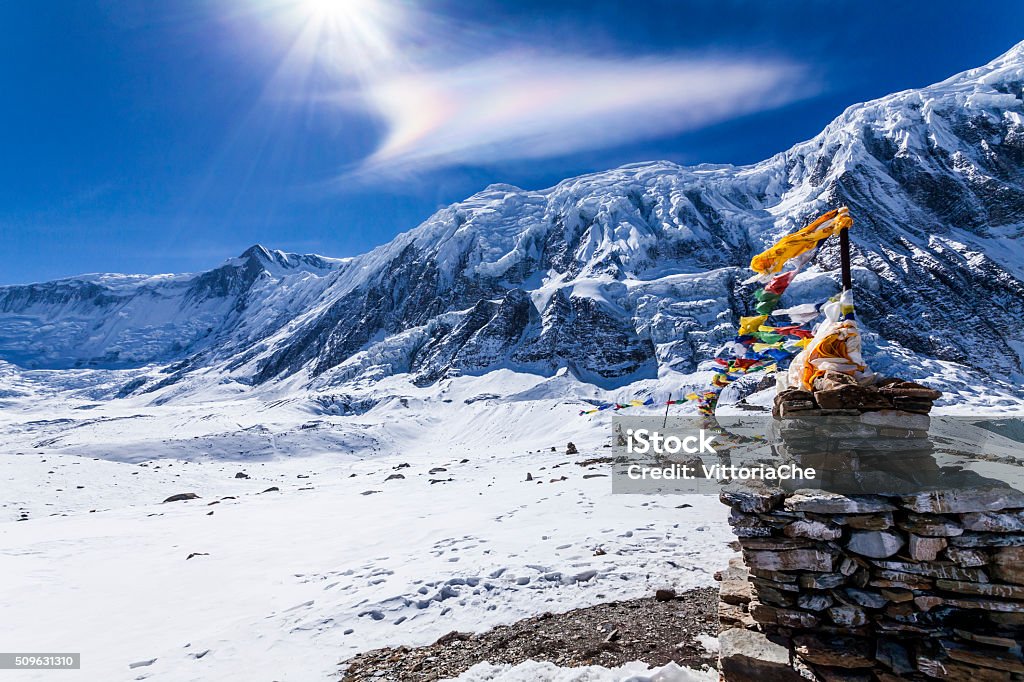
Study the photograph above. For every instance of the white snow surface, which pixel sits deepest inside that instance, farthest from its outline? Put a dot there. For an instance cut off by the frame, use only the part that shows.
(533, 671)
(287, 584)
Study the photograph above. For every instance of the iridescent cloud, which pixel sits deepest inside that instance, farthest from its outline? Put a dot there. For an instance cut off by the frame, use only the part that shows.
(525, 105)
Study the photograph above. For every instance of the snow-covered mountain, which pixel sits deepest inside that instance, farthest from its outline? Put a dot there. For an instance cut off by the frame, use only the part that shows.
(618, 276)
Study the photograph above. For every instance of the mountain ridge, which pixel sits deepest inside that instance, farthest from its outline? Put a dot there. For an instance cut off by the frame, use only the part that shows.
(620, 275)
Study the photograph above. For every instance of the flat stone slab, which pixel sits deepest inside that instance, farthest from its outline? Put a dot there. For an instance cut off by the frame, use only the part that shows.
(958, 500)
(825, 502)
(749, 655)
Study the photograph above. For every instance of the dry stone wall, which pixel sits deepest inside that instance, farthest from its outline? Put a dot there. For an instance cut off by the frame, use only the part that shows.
(920, 578)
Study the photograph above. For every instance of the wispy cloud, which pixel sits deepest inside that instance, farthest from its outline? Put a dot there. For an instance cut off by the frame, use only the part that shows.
(524, 105)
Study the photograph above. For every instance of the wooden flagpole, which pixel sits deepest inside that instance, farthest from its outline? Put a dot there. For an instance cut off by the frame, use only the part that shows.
(844, 255)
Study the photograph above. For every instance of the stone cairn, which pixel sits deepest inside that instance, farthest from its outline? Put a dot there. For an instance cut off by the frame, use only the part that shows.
(897, 568)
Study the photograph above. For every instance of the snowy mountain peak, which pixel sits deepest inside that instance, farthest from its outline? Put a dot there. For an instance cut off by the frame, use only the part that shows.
(626, 275)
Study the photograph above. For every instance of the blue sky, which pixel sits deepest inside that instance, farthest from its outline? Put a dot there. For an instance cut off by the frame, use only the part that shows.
(145, 136)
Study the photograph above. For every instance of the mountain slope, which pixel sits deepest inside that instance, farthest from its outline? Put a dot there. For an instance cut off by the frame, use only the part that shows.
(618, 276)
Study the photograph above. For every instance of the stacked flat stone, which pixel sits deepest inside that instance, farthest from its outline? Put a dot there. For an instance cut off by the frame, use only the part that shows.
(922, 586)
(839, 394)
(895, 568)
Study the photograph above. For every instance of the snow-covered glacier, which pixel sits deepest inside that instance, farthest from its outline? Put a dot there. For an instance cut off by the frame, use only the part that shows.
(623, 276)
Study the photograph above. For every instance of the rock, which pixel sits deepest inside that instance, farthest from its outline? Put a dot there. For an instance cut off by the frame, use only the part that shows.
(990, 640)
(814, 602)
(775, 576)
(934, 569)
(817, 560)
(865, 598)
(963, 500)
(529, 476)
(851, 396)
(751, 497)
(241, 474)
(665, 594)
(951, 671)
(998, 660)
(877, 544)
(848, 566)
(791, 408)
(966, 557)
(972, 539)
(867, 521)
(793, 394)
(815, 530)
(194, 554)
(848, 616)
(181, 497)
(824, 502)
(994, 522)
(395, 477)
(1008, 565)
(914, 405)
(931, 526)
(897, 419)
(983, 604)
(839, 652)
(791, 618)
(909, 389)
(821, 581)
(748, 655)
(895, 594)
(274, 489)
(830, 380)
(770, 593)
(570, 449)
(894, 656)
(982, 589)
(735, 592)
(925, 549)
(731, 615)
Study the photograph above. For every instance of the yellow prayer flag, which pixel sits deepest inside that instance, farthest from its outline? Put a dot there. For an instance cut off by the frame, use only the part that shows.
(773, 259)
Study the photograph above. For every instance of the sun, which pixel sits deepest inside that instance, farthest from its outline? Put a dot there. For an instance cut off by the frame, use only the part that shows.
(356, 36)
(339, 10)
